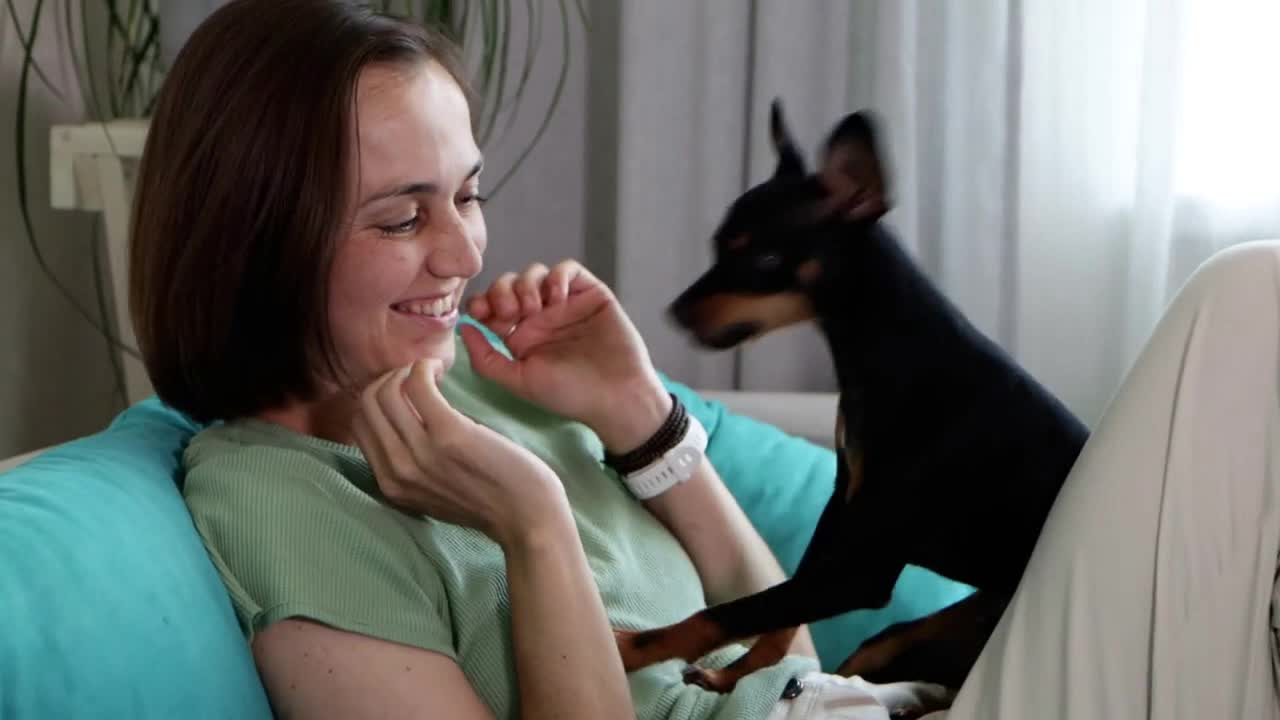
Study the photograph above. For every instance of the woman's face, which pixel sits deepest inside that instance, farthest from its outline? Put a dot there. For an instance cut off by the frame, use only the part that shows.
(417, 233)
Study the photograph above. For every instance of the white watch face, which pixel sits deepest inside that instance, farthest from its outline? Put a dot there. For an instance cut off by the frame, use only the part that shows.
(684, 459)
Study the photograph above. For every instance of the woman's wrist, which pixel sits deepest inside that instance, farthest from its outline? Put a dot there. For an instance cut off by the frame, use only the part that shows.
(551, 526)
(634, 415)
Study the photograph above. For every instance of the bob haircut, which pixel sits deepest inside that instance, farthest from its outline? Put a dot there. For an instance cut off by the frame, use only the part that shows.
(241, 196)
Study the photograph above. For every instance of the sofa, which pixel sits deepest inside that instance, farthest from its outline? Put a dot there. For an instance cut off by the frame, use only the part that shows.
(110, 608)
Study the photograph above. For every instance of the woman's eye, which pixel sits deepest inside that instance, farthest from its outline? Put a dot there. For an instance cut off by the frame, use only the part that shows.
(403, 228)
(473, 199)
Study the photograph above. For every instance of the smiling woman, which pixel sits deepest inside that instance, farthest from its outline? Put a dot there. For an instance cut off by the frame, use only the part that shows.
(236, 318)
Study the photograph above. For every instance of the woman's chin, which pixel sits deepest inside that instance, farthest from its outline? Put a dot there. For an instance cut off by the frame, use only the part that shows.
(436, 350)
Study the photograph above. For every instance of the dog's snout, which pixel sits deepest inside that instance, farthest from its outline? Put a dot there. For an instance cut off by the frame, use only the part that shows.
(681, 312)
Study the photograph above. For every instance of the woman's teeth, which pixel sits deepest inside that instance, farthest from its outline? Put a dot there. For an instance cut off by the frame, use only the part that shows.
(435, 308)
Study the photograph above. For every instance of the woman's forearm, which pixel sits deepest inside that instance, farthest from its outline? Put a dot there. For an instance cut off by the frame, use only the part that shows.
(566, 658)
(731, 557)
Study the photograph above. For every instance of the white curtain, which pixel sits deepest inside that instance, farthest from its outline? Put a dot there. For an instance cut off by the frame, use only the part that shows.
(1059, 168)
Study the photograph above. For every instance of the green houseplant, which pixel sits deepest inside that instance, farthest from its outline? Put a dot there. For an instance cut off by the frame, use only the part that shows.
(115, 49)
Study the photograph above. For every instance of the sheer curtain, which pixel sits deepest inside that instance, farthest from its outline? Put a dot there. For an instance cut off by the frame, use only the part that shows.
(1059, 168)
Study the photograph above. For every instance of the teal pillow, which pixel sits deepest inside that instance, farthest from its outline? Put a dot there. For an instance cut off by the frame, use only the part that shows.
(782, 483)
(109, 606)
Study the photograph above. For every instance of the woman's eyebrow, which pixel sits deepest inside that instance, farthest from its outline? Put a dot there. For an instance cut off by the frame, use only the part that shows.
(420, 187)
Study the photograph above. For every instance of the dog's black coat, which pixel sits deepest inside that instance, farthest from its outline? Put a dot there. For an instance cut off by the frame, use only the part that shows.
(962, 452)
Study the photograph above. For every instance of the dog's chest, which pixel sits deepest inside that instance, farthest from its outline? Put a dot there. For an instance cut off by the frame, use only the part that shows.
(849, 453)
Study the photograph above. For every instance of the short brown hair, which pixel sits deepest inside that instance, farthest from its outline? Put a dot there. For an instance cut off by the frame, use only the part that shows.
(241, 195)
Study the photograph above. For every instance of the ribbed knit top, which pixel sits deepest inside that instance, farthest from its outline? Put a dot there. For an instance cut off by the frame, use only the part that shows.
(297, 528)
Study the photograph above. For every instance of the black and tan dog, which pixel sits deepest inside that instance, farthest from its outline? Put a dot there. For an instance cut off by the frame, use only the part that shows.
(952, 454)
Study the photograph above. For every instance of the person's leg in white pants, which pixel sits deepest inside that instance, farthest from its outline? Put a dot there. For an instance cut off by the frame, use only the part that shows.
(1149, 593)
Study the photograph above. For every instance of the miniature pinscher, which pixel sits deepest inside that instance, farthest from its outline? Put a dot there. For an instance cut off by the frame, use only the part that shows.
(950, 454)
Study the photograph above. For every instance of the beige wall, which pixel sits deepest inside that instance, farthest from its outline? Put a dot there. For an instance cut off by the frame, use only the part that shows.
(55, 376)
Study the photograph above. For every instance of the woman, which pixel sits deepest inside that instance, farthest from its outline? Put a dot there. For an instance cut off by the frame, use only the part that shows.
(410, 528)
(308, 215)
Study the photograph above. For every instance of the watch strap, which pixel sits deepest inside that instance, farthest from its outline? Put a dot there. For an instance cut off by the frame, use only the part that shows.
(662, 440)
(673, 467)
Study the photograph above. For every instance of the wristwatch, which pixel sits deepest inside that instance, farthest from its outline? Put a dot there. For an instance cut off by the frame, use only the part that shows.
(666, 459)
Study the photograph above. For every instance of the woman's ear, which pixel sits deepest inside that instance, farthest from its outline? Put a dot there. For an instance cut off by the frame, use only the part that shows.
(852, 172)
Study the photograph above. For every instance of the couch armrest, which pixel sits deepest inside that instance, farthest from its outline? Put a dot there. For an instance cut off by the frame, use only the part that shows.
(7, 464)
(810, 415)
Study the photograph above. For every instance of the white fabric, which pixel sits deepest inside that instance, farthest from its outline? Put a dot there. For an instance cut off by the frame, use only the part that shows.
(1150, 593)
(829, 697)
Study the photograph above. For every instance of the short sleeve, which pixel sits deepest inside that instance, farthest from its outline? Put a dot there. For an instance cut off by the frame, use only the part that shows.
(291, 537)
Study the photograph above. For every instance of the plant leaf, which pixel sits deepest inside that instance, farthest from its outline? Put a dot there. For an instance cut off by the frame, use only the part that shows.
(28, 48)
(555, 100)
(24, 199)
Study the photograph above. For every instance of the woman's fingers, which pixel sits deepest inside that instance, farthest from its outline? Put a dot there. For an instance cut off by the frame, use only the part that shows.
(513, 297)
(478, 308)
(528, 288)
(424, 395)
(379, 442)
(502, 298)
(400, 412)
(489, 363)
(556, 285)
(504, 308)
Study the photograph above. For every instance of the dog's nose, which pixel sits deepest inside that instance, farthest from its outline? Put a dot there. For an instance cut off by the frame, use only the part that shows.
(682, 313)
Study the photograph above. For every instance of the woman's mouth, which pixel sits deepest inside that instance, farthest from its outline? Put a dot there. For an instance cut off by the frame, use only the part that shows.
(439, 311)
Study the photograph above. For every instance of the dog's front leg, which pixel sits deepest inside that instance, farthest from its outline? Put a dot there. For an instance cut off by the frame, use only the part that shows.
(687, 640)
(767, 651)
(767, 614)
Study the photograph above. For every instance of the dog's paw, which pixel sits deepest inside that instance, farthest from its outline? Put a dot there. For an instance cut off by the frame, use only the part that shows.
(688, 641)
(719, 681)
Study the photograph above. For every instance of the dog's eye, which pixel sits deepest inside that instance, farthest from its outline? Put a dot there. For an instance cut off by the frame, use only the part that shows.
(769, 261)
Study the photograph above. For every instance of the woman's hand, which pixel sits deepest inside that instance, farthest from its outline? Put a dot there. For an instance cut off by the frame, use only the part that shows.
(430, 459)
(574, 351)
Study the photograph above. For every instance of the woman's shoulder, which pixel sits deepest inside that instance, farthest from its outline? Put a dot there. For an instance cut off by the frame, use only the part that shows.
(256, 457)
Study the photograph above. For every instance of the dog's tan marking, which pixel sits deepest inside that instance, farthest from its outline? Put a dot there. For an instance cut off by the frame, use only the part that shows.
(852, 458)
(688, 640)
(767, 651)
(739, 242)
(809, 271)
(770, 312)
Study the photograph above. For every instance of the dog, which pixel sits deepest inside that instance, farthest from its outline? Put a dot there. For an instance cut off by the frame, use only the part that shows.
(950, 454)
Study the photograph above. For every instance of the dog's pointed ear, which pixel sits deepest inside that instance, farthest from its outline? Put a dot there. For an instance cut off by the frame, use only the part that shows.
(852, 171)
(790, 161)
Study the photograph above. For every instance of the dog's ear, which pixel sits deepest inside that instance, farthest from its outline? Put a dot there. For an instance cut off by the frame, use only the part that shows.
(852, 171)
(790, 161)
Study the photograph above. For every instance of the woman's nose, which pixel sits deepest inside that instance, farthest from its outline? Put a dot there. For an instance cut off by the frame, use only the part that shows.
(456, 254)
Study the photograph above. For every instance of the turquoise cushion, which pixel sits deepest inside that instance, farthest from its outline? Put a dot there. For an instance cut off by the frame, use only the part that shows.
(109, 606)
(782, 483)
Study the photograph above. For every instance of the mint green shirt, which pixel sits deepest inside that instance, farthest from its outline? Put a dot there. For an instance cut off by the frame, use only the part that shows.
(297, 528)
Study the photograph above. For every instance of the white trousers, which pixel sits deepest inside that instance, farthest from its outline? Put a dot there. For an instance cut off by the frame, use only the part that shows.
(1150, 592)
